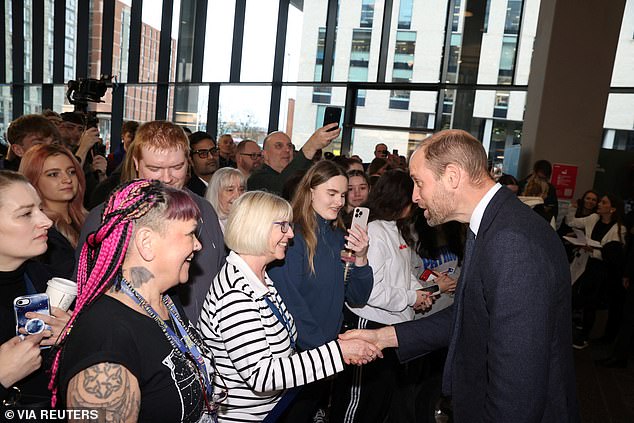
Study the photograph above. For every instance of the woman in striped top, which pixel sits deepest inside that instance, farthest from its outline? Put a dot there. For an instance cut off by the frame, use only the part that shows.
(246, 324)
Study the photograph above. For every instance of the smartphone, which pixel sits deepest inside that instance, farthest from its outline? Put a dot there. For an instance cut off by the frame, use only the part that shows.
(360, 217)
(395, 152)
(35, 303)
(332, 115)
(432, 289)
(428, 275)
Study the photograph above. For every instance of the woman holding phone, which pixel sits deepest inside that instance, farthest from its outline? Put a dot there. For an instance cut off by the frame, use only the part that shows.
(311, 280)
(364, 393)
(22, 237)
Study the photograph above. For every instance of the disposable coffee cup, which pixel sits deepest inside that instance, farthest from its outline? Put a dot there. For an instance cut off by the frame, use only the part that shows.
(61, 293)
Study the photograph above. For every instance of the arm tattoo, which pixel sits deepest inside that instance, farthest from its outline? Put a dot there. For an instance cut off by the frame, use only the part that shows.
(109, 388)
(139, 276)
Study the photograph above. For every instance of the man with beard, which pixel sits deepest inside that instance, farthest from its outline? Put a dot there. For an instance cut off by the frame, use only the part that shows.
(509, 331)
(204, 160)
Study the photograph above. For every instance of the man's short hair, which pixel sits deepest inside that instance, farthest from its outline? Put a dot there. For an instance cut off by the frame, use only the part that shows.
(73, 117)
(198, 136)
(28, 125)
(455, 146)
(377, 146)
(251, 219)
(129, 127)
(243, 144)
(544, 167)
(270, 135)
(154, 135)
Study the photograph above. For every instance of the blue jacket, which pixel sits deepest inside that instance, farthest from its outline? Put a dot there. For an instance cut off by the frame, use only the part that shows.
(316, 300)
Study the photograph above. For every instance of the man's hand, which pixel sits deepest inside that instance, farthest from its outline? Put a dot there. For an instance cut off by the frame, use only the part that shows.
(99, 165)
(320, 139)
(382, 338)
(89, 138)
(19, 358)
(359, 352)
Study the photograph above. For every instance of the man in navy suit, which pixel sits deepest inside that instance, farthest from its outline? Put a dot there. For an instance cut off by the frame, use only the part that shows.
(509, 330)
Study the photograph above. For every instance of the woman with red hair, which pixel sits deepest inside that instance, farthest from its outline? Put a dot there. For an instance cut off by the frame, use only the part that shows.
(59, 180)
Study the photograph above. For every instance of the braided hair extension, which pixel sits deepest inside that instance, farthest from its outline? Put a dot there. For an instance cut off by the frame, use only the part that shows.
(103, 253)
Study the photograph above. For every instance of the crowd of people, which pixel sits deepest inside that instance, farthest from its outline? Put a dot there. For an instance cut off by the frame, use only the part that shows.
(224, 281)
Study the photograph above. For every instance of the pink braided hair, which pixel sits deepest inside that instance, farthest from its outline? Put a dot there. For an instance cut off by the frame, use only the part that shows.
(103, 253)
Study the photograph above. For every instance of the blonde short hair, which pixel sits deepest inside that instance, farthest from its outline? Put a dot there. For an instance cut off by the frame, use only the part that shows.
(251, 220)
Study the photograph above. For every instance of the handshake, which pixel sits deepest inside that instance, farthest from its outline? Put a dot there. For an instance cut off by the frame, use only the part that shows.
(361, 346)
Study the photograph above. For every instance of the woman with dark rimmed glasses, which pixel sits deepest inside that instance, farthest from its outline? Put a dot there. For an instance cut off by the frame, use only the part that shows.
(248, 327)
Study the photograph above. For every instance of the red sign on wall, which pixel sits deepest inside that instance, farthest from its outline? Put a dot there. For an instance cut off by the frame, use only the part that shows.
(564, 178)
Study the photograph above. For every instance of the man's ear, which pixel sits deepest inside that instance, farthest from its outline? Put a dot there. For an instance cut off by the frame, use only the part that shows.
(453, 175)
(144, 243)
(18, 150)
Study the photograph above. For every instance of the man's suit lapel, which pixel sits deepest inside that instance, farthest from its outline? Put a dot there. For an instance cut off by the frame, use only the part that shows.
(471, 250)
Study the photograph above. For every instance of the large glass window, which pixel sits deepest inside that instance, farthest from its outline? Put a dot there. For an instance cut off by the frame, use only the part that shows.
(403, 67)
(217, 61)
(405, 14)
(260, 31)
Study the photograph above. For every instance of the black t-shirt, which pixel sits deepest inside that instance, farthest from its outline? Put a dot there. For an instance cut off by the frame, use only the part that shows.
(600, 229)
(109, 331)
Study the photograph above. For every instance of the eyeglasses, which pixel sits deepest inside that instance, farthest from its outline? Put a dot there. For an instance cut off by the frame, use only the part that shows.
(254, 156)
(284, 225)
(203, 153)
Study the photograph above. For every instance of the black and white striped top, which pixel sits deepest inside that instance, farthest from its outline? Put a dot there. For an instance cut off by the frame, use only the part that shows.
(252, 347)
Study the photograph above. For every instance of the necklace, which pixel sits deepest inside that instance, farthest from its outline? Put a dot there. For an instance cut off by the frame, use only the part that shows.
(182, 345)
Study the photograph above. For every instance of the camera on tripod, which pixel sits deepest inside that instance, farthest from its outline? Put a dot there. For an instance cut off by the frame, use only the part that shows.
(89, 90)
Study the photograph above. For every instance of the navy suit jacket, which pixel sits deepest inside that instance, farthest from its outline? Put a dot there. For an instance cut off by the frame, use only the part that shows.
(509, 331)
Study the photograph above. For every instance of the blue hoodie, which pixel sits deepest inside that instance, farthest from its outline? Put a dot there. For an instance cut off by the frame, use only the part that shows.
(316, 300)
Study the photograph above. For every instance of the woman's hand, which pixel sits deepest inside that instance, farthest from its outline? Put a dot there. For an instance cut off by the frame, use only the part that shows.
(357, 351)
(424, 301)
(358, 242)
(57, 321)
(19, 358)
(445, 283)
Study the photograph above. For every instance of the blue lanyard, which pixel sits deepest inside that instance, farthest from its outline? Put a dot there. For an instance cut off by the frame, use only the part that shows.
(283, 320)
(184, 342)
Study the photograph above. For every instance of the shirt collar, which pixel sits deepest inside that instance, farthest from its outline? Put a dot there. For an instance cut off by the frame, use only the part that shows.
(258, 288)
(478, 212)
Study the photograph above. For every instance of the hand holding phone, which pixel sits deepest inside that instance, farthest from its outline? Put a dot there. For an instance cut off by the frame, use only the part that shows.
(34, 303)
(332, 115)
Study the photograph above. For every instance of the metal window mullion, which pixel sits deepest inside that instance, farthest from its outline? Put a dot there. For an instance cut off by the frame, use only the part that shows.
(17, 44)
(59, 38)
(278, 66)
(165, 49)
(3, 47)
(83, 41)
(517, 42)
(329, 41)
(116, 117)
(444, 64)
(134, 55)
(47, 96)
(349, 117)
(107, 36)
(385, 41)
(212, 110)
(238, 38)
(200, 28)
(37, 42)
